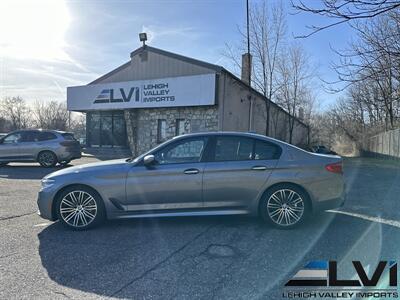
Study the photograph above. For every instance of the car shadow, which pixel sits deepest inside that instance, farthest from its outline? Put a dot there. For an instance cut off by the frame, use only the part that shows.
(172, 257)
(27, 171)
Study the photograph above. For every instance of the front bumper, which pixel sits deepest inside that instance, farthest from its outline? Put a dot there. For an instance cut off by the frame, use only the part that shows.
(45, 205)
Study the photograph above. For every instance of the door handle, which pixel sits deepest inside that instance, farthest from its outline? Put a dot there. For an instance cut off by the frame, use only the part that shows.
(259, 168)
(191, 171)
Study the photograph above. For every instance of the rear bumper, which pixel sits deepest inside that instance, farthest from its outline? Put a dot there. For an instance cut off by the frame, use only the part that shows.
(329, 204)
(70, 155)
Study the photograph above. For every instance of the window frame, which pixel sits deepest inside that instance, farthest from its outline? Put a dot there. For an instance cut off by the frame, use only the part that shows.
(177, 122)
(161, 139)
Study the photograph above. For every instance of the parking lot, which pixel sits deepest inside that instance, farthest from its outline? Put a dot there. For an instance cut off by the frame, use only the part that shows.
(188, 258)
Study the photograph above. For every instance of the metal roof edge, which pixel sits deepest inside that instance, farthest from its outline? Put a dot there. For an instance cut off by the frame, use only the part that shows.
(121, 67)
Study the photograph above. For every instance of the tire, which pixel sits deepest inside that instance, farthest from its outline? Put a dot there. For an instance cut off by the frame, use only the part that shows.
(80, 208)
(47, 159)
(64, 163)
(285, 206)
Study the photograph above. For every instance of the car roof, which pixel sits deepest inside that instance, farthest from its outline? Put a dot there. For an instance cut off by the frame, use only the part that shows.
(40, 130)
(233, 133)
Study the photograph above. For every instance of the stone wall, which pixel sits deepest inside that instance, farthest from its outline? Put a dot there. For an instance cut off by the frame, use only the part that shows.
(142, 124)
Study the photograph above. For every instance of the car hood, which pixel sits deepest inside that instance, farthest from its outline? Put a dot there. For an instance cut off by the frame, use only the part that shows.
(91, 167)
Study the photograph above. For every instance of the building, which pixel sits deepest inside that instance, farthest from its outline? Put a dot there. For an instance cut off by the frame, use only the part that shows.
(158, 94)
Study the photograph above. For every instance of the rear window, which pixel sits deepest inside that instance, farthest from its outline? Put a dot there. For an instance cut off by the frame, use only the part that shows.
(233, 148)
(266, 151)
(68, 136)
(46, 136)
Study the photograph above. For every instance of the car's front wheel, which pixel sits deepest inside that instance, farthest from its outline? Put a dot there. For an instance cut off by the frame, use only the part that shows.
(47, 159)
(285, 206)
(80, 208)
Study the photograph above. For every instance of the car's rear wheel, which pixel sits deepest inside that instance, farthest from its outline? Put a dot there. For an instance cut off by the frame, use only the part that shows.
(285, 206)
(64, 163)
(80, 208)
(47, 159)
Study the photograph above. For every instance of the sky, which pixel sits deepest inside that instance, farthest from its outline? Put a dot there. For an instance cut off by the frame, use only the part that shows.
(47, 45)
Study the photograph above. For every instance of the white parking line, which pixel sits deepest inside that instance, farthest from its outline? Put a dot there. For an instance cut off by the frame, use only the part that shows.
(41, 225)
(368, 218)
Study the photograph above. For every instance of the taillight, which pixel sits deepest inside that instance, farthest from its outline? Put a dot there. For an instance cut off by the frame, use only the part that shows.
(335, 168)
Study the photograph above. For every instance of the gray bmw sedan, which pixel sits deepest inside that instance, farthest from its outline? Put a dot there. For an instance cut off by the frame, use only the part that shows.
(215, 173)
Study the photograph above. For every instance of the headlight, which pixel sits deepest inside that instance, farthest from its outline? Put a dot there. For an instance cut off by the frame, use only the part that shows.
(46, 182)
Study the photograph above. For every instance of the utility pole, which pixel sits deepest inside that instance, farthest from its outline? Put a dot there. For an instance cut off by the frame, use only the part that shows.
(248, 39)
(249, 66)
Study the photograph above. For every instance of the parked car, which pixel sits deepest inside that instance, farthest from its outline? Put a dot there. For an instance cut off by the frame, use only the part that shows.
(47, 147)
(198, 174)
(322, 150)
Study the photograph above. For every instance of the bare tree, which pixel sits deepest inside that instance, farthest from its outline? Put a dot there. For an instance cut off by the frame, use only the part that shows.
(294, 92)
(267, 36)
(343, 11)
(50, 115)
(371, 68)
(16, 112)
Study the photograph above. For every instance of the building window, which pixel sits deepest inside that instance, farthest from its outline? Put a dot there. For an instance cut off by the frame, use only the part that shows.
(182, 126)
(106, 129)
(161, 130)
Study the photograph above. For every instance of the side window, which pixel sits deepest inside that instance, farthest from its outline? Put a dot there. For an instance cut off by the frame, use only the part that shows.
(12, 138)
(233, 148)
(189, 151)
(46, 136)
(266, 151)
(30, 136)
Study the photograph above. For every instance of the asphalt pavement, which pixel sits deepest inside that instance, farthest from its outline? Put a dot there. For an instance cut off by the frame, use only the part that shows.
(226, 257)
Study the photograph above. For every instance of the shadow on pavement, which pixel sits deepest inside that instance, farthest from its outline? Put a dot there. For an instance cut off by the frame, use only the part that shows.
(221, 257)
(27, 171)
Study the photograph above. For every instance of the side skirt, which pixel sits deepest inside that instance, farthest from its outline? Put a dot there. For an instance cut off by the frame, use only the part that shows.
(127, 215)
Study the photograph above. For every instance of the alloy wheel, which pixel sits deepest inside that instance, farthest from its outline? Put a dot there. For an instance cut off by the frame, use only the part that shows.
(47, 159)
(285, 207)
(78, 209)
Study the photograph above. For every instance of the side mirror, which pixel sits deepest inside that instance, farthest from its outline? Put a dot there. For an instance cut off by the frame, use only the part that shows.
(149, 160)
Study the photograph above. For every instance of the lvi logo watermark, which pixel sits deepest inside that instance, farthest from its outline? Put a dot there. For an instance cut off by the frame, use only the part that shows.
(319, 279)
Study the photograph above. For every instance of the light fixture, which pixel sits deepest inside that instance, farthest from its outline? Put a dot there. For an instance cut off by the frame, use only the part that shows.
(143, 37)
